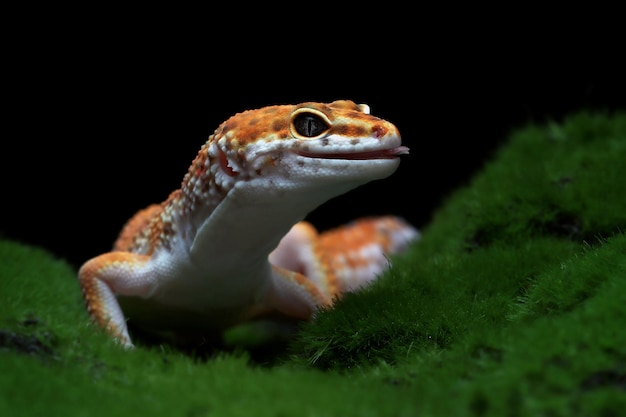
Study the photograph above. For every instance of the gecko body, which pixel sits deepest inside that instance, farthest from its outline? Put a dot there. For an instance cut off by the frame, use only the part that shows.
(230, 245)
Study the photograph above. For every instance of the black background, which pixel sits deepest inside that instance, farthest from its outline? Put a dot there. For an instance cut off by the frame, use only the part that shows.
(99, 130)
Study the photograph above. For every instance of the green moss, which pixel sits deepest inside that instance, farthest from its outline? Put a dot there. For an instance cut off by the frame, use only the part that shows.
(540, 185)
(569, 362)
(512, 304)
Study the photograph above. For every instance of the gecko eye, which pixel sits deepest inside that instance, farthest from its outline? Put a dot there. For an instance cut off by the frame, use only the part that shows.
(309, 125)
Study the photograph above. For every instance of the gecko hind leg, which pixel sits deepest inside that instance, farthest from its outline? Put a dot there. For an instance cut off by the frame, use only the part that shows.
(345, 258)
(360, 251)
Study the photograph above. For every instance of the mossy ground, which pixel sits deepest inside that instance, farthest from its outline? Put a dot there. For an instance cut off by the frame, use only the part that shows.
(513, 303)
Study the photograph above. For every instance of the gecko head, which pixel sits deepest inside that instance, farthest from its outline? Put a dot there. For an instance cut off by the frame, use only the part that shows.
(335, 146)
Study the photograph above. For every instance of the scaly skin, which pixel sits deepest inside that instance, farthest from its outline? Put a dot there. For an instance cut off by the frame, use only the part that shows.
(230, 245)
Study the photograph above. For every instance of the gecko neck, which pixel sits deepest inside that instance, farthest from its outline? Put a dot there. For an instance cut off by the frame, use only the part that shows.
(243, 229)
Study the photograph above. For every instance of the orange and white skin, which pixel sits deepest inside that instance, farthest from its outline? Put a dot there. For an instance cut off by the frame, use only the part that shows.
(230, 245)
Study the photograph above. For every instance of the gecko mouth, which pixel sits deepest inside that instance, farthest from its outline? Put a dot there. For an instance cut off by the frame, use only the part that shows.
(377, 154)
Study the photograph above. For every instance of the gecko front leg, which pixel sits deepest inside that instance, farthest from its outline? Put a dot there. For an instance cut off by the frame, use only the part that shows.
(108, 275)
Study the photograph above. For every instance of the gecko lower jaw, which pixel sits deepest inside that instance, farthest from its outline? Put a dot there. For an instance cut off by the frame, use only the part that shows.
(375, 154)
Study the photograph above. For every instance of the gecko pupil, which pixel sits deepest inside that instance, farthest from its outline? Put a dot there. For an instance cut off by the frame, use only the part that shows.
(309, 125)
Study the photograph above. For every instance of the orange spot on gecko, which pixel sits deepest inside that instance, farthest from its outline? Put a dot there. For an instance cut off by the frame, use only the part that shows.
(279, 125)
(379, 131)
(349, 130)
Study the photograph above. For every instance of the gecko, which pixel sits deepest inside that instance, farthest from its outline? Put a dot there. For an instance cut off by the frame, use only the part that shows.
(232, 244)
